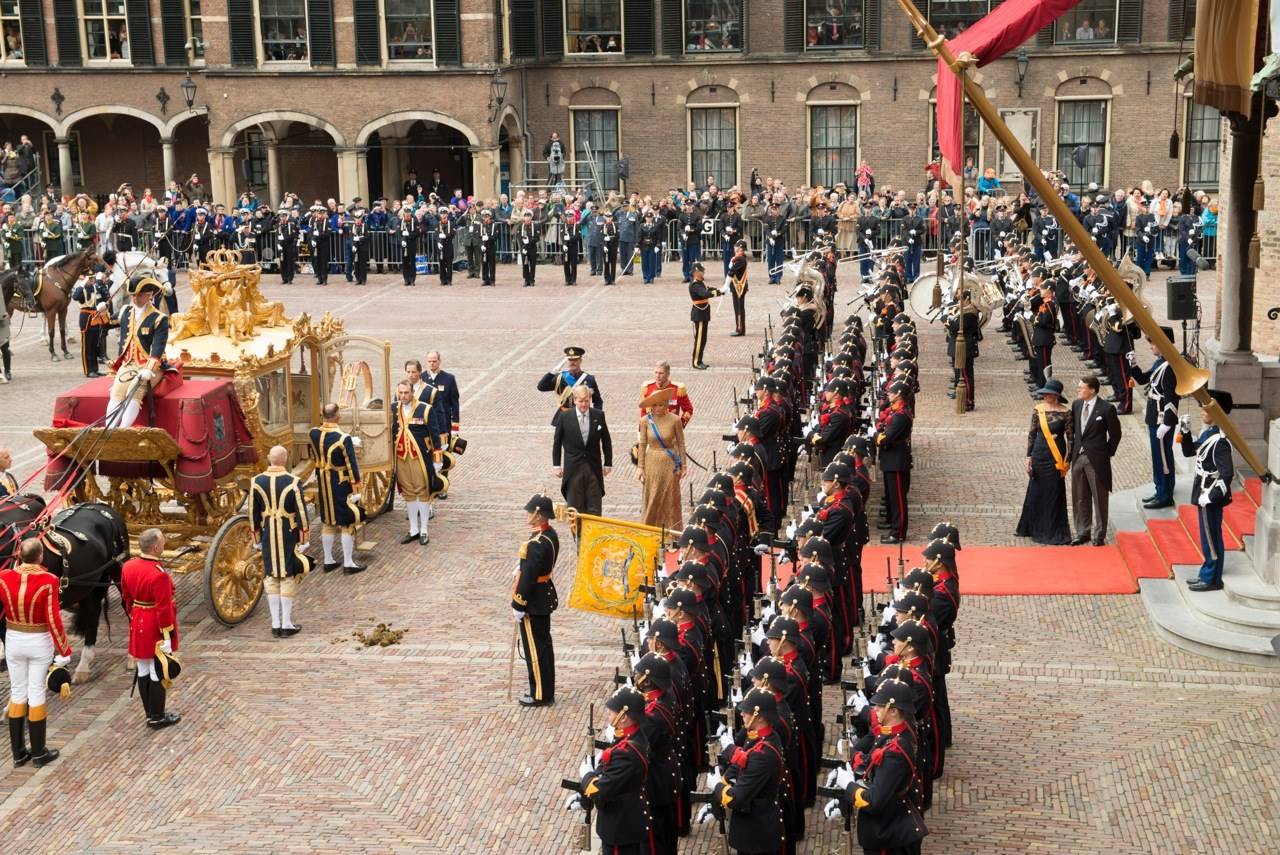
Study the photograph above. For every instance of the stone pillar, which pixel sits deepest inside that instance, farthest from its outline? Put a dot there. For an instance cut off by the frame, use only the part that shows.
(515, 157)
(395, 165)
(222, 175)
(170, 165)
(352, 173)
(65, 168)
(485, 164)
(1266, 545)
(275, 189)
(362, 177)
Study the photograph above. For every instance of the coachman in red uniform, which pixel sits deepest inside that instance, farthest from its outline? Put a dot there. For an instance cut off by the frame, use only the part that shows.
(147, 590)
(33, 632)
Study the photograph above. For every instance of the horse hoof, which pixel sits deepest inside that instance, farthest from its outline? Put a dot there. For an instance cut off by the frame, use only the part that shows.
(79, 678)
(66, 355)
(53, 357)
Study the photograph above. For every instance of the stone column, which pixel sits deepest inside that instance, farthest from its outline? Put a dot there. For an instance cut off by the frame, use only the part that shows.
(485, 163)
(274, 188)
(352, 173)
(222, 175)
(1266, 545)
(65, 168)
(170, 165)
(515, 156)
(395, 166)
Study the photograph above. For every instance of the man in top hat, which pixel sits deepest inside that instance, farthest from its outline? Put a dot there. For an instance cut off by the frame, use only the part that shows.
(582, 437)
(679, 403)
(563, 382)
(609, 237)
(1211, 489)
(700, 295)
(616, 783)
(418, 450)
(534, 598)
(278, 516)
(146, 588)
(358, 234)
(144, 333)
(33, 638)
(736, 276)
(93, 293)
(1161, 420)
(487, 232)
(333, 451)
(320, 245)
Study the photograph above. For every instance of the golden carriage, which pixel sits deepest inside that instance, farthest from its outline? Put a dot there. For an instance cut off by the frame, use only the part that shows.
(250, 379)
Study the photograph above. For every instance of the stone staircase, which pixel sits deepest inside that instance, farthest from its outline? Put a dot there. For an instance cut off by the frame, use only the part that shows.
(1162, 548)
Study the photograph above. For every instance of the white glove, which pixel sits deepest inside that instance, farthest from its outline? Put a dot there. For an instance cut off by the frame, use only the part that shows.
(585, 766)
(844, 776)
(1131, 358)
(1161, 430)
(355, 497)
(1113, 309)
(574, 802)
(166, 646)
(735, 695)
(145, 375)
(1184, 424)
(357, 441)
(888, 614)
(659, 611)
(642, 628)
(858, 702)
(517, 615)
(61, 660)
(606, 735)
(757, 637)
(821, 496)
(913, 231)
(744, 664)
(832, 776)
(726, 738)
(635, 660)
(705, 815)
(866, 672)
(831, 810)
(761, 549)
(1204, 499)
(768, 613)
(713, 778)
(899, 592)
(101, 307)
(1027, 314)
(874, 649)
(791, 530)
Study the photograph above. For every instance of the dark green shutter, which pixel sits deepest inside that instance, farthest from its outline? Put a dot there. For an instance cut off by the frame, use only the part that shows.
(242, 33)
(793, 26)
(524, 29)
(637, 27)
(173, 26)
(34, 50)
(1044, 38)
(923, 5)
(499, 49)
(320, 33)
(871, 24)
(1182, 16)
(448, 47)
(142, 50)
(368, 33)
(1129, 22)
(552, 28)
(66, 29)
(673, 27)
(745, 24)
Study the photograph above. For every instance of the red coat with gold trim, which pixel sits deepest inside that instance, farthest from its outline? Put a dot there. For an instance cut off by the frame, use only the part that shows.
(29, 594)
(147, 590)
(679, 404)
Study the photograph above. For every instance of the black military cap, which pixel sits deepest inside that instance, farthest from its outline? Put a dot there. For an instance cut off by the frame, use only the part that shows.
(58, 678)
(748, 423)
(896, 694)
(816, 578)
(539, 504)
(857, 444)
(698, 574)
(1039, 271)
(575, 352)
(694, 536)
(653, 669)
(742, 471)
(784, 629)
(914, 634)
(941, 551)
(809, 528)
(665, 631)
(837, 472)
(626, 700)
(948, 532)
(770, 669)
(697, 267)
(1223, 398)
(722, 482)
(805, 291)
(743, 449)
(681, 599)
(898, 388)
(817, 547)
(912, 603)
(854, 322)
(714, 497)
(800, 598)
(759, 702)
(918, 579)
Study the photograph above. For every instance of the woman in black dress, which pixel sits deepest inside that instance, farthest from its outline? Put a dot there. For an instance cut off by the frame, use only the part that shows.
(1044, 510)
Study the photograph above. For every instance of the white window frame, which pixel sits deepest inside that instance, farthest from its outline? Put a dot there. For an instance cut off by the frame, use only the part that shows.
(5, 58)
(573, 136)
(821, 49)
(934, 23)
(196, 42)
(104, 18)
(622, 28)
(1106, 149)
(1184, 160)
(1092, 43)
(684, 34)
(414, 62)
(737, 140)
(1006, 169)
(263, 60)
(980, 163)
(857, 135)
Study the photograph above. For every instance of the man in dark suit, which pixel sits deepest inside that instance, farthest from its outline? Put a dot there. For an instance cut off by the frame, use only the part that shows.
(1095, 436)
(582, 437)
(446, 392)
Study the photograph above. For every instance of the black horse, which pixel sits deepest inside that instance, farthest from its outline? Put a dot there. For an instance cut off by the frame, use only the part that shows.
(85, 545)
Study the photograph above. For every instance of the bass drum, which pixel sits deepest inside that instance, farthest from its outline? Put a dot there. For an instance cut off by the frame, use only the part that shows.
(920, 294)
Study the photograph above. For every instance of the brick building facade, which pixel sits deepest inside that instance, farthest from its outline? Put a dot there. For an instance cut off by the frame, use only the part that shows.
(342, 97)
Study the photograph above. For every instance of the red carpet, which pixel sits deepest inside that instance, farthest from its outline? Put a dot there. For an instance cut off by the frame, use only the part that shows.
(1190, 517)
(1240, 517)
(1253, 487)
(1175, 545)
(1141, 556)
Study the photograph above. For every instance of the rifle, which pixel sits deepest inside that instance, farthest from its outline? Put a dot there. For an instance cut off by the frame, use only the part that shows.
(712, 756)
(584, 833)
(737, 414)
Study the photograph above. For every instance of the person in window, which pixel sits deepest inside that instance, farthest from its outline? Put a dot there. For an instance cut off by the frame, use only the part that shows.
(1102, 32)
(612, 46)
(1067, 33)
(988, 185)
(1084, 32)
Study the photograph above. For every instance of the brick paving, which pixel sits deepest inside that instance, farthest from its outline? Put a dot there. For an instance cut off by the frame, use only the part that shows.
(1076, 729)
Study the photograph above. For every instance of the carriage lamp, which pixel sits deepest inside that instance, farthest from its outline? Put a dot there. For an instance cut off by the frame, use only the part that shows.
(188, 87)
(497, 95)
(1021, 61)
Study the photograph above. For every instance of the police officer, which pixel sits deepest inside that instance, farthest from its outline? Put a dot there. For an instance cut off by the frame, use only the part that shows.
(528, 242)
(533, 599)
(775, 242)
(333, 451)
(278, 516)
(736, 271)
(93, 293)
(690, 220)
(571, 223)
(700, 313)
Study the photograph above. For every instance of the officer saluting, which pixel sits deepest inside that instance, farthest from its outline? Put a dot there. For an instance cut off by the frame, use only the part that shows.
(562, 382)
(278, 516)
(700, 313)
(338, 478)
(533, 599)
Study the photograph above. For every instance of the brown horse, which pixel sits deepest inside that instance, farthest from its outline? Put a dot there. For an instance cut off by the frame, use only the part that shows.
(54, 282)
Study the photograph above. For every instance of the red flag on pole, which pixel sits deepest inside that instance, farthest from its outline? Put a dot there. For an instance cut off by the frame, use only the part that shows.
(1011, 24)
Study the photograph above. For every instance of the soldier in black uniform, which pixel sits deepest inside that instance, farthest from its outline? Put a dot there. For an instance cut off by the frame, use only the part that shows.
(571, 223)
(700, 313)
(533, 599)
(736, 270)
(1161, 420)
(868, 231)
(527, 238)
(94, 296)
(288, 239)
(749, 791)
(318, 238)
(203, 236)
(359, 232)
(616, 784)
(1044, 324)
(690, 220)
(609, 234)
(893, 438)
(730, 235)
(660, 726)
(775, 242)
(1115, 344)
(650, 247)
(488, 236)
(968, 322)
(444, 245)
(406, 231)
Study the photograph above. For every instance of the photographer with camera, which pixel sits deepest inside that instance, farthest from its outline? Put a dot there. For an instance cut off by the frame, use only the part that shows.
(554, 153)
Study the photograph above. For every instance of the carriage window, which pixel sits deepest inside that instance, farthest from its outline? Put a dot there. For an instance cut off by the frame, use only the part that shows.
(273, 401)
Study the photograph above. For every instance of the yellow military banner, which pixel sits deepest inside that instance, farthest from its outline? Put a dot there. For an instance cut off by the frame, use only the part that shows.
(615, 557)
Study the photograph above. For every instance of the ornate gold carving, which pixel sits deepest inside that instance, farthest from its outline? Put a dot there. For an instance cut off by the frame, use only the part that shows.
(226, 301)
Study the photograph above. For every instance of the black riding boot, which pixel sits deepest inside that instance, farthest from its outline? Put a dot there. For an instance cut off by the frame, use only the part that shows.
(159, 718)
(40, 754)
(144, 692)
(17, 741)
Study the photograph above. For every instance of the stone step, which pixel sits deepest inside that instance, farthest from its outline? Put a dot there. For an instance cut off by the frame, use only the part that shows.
(1243, 585)
(1217, 608)
(1175, 622)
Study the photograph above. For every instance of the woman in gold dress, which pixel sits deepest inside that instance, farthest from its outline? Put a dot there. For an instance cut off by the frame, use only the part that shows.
(661, 461)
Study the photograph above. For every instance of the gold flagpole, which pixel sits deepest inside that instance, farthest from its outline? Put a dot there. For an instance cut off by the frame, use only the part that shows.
(1192, 381)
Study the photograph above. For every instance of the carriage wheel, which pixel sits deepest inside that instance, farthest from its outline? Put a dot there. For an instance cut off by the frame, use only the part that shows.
(233, 572)
(377, 494)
